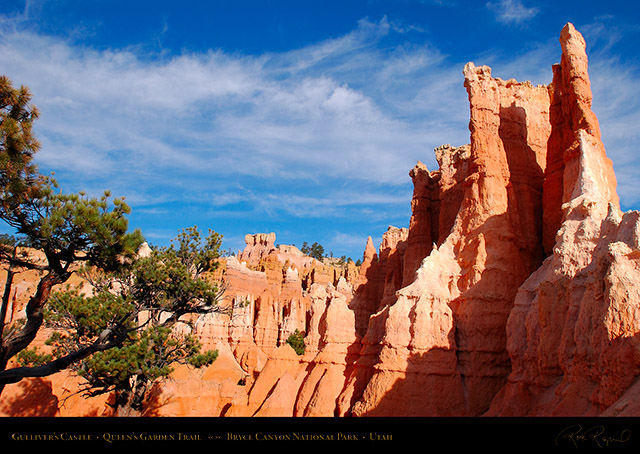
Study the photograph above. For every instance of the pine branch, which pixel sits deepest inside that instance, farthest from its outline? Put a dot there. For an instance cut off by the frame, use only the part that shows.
(18, 373)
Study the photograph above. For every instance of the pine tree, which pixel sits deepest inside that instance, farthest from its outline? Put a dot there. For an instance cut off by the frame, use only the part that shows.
(151, 302)
(53, 233)
(316, 250)
(124, 335)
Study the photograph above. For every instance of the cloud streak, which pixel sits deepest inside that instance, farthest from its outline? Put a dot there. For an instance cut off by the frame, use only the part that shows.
(512, 11)
(299, 108)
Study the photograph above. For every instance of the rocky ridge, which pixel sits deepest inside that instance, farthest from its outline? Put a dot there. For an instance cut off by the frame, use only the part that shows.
(513, 292)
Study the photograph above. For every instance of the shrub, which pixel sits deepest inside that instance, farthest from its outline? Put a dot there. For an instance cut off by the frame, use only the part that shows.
(296, 341)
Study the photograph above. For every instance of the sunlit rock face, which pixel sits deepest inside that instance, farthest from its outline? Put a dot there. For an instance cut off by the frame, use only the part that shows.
(525, 304)
(572, 334)
(443, 341)
(513, 291)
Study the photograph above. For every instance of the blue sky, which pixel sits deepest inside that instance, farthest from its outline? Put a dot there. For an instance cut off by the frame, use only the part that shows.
(301, 118)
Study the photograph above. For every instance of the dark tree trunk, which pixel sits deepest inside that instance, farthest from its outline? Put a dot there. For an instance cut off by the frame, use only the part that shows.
(129, 400)
(35, 316)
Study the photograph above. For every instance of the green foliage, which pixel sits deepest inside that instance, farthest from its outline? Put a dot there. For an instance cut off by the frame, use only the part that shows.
(147, 299)
(296, 341)
(19, 178)
(82, 318)
(67, 229)
(316, 250)
(78, 321)
(76, 227)
(33, 357)
(199, 360)
(150, 355)
(173, 278)
(140, 304)
(196, 253)
(126, 329)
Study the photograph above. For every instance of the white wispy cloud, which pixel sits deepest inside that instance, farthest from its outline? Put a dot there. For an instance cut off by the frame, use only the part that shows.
(616, 102)
(316, 110)
(512, 11)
